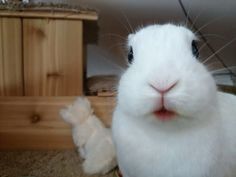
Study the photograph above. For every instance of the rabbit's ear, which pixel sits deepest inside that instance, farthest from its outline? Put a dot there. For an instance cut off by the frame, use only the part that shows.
(78, 112)
(67, 116)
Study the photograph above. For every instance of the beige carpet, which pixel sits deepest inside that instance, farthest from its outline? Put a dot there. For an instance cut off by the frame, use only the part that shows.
(42, 164)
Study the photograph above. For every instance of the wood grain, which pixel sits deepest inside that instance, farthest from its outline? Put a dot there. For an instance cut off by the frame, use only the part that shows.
(92, 16)
(11, 77)
(34, 122)
(53, 57)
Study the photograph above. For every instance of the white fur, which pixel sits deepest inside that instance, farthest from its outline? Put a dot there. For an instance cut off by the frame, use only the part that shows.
(93, 140)
(201, 140)
(25, 1)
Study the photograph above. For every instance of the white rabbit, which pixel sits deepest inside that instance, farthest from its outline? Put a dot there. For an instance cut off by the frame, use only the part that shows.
(93, 140)
(170, 121)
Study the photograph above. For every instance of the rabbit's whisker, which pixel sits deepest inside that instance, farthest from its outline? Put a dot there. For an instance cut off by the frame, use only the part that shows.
(219, 50)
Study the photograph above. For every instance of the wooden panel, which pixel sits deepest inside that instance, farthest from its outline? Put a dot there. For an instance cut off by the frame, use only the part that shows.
(34, 122)
(11, 77)
(54, 15)
(53, 58)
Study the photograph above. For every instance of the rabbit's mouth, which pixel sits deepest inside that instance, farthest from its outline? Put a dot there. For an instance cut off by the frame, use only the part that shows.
(164, 115)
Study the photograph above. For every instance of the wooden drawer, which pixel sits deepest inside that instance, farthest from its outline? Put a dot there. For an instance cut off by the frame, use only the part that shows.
(53, 59)
(34, 122)
(41, 57)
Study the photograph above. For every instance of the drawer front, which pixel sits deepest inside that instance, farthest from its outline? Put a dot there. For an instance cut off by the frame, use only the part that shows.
(34, 122)
(53, 59)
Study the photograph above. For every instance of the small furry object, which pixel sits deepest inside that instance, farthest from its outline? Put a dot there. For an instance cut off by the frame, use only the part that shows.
(93, 140)
(170, 120)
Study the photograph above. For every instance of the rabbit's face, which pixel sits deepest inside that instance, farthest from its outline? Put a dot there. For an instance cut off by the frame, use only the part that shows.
(165, 78)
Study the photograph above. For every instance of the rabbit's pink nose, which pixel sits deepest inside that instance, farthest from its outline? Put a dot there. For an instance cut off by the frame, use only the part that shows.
(165, 89)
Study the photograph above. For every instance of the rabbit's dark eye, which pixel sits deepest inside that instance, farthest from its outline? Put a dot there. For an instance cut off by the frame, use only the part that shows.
(130, 55)
(195, 49)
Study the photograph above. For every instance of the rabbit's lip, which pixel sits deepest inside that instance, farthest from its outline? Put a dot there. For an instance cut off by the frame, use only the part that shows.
(164, 114)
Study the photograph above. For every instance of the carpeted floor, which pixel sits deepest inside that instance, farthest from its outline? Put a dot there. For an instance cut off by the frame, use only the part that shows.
(42, 164)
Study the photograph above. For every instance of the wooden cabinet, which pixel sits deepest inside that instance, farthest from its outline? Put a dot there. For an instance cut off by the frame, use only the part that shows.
(41, 71)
